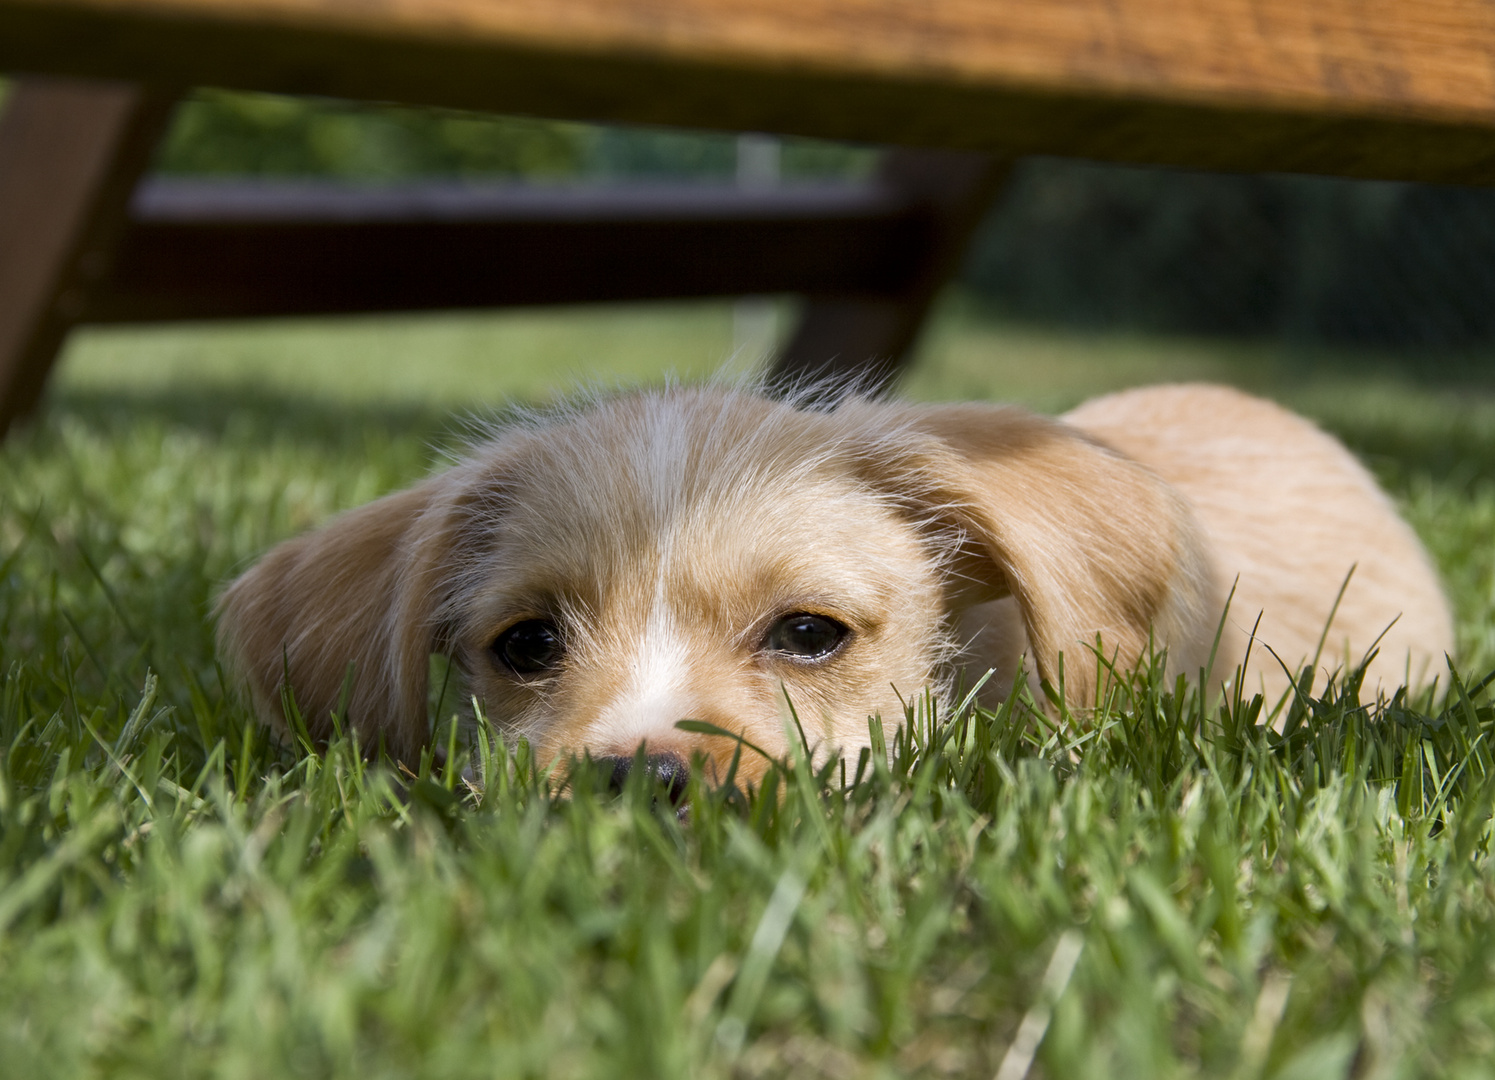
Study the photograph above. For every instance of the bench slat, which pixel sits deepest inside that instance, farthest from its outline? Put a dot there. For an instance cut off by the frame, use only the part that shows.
(236, 250)
(1391, 88)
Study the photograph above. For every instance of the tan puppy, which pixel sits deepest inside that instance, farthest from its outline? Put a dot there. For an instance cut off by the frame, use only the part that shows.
(711, 554)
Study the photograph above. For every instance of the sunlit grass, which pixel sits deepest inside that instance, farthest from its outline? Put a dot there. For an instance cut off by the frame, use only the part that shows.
(1171, 889)
(466, 361)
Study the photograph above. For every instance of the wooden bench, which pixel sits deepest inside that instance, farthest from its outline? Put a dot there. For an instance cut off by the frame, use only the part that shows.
(1391, 89)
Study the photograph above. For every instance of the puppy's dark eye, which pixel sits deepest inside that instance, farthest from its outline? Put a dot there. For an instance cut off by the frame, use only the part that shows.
(805, 637)
(529, 647)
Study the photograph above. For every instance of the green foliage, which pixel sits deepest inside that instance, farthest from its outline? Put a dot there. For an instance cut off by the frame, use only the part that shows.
(218, 132)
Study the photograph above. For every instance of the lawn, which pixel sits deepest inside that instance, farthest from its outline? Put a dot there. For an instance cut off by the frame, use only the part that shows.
(1178, 891)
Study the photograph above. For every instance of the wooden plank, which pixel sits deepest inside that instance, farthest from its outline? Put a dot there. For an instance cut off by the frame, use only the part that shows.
(1390, 88)
(200, 250)
(70, 154)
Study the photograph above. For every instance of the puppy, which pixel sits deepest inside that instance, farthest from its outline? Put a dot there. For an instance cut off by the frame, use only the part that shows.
(715, 555)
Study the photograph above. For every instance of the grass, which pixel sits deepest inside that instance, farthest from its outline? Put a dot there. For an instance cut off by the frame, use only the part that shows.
(1177, 892)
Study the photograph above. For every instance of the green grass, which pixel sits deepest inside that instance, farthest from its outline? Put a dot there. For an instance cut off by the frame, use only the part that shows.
(1179, 892)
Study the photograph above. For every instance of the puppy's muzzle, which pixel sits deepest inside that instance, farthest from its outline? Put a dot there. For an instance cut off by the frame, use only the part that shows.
(665, 770)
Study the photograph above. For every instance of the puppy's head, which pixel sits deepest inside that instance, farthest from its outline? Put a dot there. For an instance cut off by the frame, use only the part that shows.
(694, 554)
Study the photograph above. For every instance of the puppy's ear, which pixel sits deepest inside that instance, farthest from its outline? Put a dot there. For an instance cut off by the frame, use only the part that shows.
(1088, 541)
(364, 591)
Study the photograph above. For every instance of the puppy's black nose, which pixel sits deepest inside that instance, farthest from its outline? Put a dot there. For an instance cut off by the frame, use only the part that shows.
(666, 770)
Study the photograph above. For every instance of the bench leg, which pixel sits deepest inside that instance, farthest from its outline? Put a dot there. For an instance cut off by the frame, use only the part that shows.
(71, 152)
(868, 339)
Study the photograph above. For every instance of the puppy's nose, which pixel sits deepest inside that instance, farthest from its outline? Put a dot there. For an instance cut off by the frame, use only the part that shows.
(666, 770)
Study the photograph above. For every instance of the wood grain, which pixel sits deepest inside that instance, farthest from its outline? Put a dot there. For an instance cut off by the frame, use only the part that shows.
(1410, 57)
(1399, 88)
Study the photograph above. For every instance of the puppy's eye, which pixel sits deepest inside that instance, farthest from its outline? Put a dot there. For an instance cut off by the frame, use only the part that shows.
(529, 647)
(803, 636)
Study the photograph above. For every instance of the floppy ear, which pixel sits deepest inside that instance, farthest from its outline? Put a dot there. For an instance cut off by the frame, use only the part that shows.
(1086, 540)
(361, 592)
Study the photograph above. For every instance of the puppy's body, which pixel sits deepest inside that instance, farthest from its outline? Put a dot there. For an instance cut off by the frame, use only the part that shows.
(713, 555)
(1291, 512)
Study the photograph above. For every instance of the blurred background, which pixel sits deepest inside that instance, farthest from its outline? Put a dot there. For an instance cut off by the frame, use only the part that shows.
(1313, 261)
(1183, 275)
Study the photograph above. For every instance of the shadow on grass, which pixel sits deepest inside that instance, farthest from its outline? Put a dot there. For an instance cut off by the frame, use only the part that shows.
(253, 414)
(1418, 417)
(1460, 454)
(1406, 422)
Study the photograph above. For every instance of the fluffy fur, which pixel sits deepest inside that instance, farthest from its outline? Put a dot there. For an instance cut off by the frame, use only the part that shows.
(664, 533)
